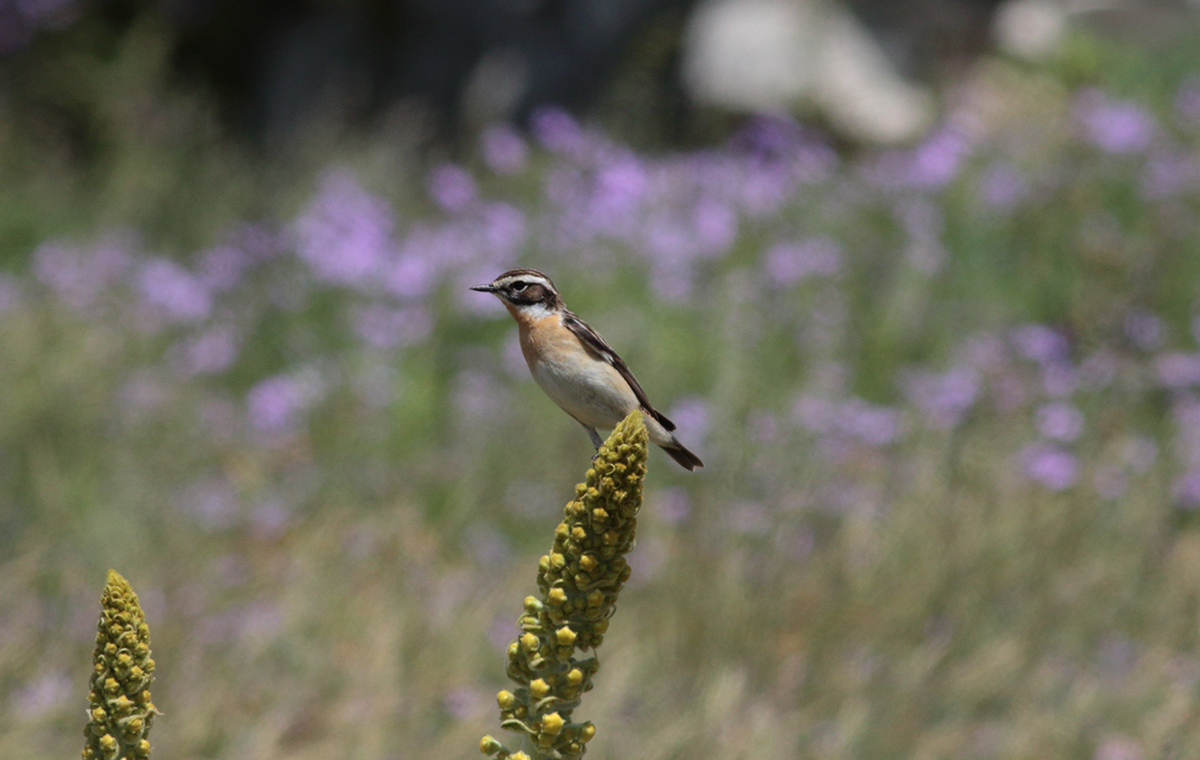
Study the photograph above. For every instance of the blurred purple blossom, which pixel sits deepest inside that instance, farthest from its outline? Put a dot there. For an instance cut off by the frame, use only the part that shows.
(937, 160)
(1119, 748)
(1050, 466)
(762, 427)
(1060, 421)
(944, 397)
(212, 351)
(1186, 489)
(45, 693)
(716, 227)
(1114, 126)
(556, 129)
(345, 234)
(503, 229)
(452, 187)
(1097, 371)
(1040, 343)
(873, 425)
(1002, 187)
(1168, 174)
(276, 404)
(212, 502)
(385, 327)
(1059, 380)
(690, 414)
(486, 544)
(175, 291)
(503, 149)
(411, 275)
(1177, 369)
(616, 195)
(78, 275)
(477, 395)
(788, 263)
(1187, 101)
(672, 505)
(1144, 329)
(221, 268)
(466, 702)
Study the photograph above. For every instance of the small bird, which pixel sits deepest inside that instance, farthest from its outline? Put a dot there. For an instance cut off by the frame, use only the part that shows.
(576, 368)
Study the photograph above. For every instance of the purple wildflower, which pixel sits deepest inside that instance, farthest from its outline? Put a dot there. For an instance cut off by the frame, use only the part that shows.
(1040, 343)
(411, 275)
(1187, 101)
(212, 502)
(345, 233)
(1002, 187)
(937, 160)
(944, 398)
(384, 327)
(504, 151)
(765, 189)
(556, 129)
(716, 226)
(673, 505)
(175, 291)
(1186, 490)
(221, 268)
(873, 425)
(1178, 369)
(78, 276)
(452, 187)
(1060, 421)
(1114, 126)
(1059, 379)
(1119, 748)
(788, 263)
(275, 405)
(214, 350)
(618, 191)
(1050, 466)
(1144, 329)
(503, 228)
(690, 413)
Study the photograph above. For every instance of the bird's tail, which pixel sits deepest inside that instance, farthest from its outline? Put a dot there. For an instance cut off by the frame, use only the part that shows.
(680, 453)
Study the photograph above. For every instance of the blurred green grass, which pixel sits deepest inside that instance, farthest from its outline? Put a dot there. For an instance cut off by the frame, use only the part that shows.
(353, 589)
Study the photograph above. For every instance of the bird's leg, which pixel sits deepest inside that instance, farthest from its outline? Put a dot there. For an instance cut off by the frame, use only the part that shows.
(597, 441)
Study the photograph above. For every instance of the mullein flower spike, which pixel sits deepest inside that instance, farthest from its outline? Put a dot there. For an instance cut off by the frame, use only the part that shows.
(120, 711)
(579, 581)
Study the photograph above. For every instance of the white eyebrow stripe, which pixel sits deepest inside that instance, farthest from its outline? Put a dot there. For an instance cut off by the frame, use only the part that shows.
(529, 278)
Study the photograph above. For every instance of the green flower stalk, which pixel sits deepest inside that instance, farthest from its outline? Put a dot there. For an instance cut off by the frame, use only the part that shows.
(120, 711)
(579, 581)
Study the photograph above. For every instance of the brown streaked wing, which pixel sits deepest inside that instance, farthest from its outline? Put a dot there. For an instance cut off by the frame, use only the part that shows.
(596, 345)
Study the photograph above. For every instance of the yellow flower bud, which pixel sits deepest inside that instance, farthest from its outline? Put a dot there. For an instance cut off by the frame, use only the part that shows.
(505, 699)
(595, 598)
(529, 642)
(552, 723)
(557, 561)
(565, 636)
(488, 745)
(539, 688)
(587, 732)
(588, 563)
(557, 597)
(519, 756)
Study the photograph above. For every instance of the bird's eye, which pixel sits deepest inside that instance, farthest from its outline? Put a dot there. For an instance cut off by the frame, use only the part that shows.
(518, 286)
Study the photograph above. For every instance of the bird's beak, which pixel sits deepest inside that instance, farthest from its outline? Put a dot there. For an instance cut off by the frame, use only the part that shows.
(489, 288)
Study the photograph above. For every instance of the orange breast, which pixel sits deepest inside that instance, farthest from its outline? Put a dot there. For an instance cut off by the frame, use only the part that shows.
(544, 338)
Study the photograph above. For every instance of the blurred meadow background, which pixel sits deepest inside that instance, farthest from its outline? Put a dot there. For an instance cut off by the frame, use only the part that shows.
(945, 376)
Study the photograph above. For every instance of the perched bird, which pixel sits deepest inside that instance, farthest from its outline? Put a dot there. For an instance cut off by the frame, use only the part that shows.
(576, 368)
